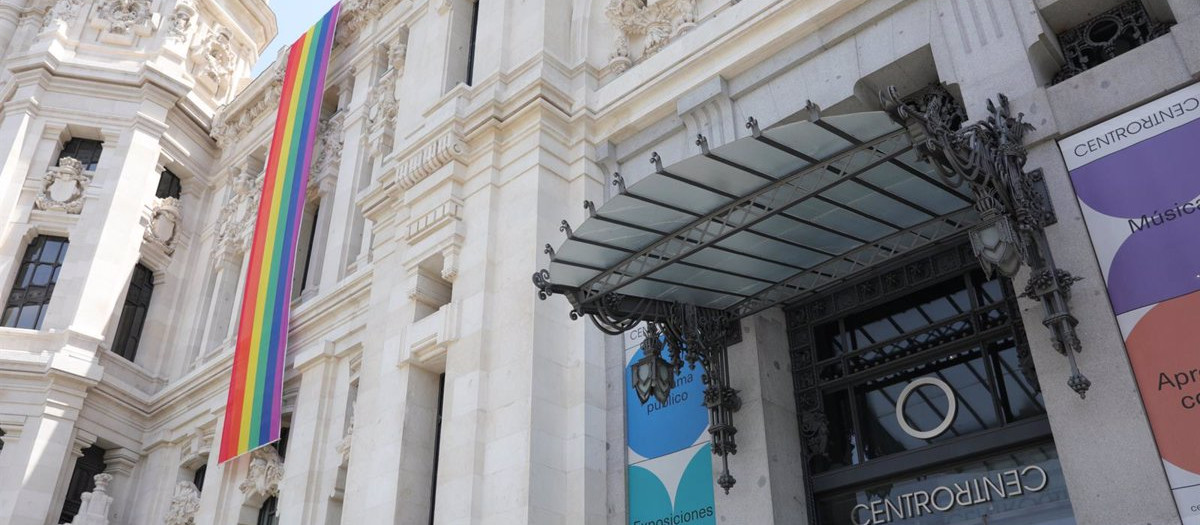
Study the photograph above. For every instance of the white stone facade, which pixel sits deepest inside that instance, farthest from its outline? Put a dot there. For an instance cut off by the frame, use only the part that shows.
(435, 198)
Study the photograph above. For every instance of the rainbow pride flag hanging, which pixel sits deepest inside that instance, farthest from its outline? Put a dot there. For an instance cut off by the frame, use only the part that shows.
(255, 391)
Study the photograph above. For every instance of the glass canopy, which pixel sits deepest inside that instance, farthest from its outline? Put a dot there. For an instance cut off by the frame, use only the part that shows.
(763, 220)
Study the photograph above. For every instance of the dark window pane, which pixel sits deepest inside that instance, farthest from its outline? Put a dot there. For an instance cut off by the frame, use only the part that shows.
(168, 185)
(1021, 399)
(83, 476)
(926, 407)
(34, 285)
(85, 151)
(841, 449)
(133, 314)
(198, 477)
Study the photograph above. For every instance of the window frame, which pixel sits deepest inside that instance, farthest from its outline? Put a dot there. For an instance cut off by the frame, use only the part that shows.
(138, 296)
(921, 271)
(21, 296)
(86, 151)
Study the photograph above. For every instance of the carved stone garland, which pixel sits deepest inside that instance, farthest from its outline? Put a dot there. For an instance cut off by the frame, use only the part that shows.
(659, 22)
(184, 504)
(63, 187)
(989, 157)
(227, 127)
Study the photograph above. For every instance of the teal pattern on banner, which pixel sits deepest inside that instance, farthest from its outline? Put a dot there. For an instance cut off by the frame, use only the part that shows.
(670, 473)
(652, 500)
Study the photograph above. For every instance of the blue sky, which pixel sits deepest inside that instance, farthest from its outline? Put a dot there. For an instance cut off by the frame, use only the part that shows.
(294, 18)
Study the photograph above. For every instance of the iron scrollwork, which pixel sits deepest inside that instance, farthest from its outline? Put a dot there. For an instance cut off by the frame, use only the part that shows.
(989, 157)
(1105, 36)
(692, 336)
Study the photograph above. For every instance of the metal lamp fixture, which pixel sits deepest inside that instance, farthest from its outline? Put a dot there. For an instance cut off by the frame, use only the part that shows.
(653, 376)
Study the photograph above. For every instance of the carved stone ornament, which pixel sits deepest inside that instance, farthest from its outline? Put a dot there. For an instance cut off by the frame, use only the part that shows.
(124, 18)
(184, 505)
(213, 61)
(235, 222)
(417, 167)
(343, 446)
(382, 107)
(266, 471)
(656, 22)
(330, 140)
(94, 507)
(355, 15)
(63, 187)
(165, 221)
(63, 11)
(229, 125)
(180, 25)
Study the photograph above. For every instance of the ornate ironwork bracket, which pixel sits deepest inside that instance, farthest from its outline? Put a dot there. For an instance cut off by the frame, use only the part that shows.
(989, 157)
(692, 336)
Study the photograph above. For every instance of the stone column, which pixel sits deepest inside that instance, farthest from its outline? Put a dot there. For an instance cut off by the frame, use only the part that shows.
(769, 465)
(9, 14)
(43, 454)
(19, 130)
(304, 491)
(102, 246)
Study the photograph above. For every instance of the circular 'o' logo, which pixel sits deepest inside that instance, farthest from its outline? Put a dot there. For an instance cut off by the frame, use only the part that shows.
(950, 410)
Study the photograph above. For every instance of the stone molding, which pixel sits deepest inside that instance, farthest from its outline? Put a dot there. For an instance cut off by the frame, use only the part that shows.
(265, 473)
(195, 448)
(657, 23)
(184, 504)
(63, 187)
(421, 227)
(356, 15)
(443, 150)
(232, 122)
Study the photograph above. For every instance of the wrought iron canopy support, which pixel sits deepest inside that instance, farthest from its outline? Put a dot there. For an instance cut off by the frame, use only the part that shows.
(989, 157)
(693, 336)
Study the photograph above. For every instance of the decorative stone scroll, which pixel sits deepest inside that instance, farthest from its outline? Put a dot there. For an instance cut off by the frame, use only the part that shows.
(165, 222)
(382, 104)
(656, 22)
(184, 505)
(63, 187)
(266, 471)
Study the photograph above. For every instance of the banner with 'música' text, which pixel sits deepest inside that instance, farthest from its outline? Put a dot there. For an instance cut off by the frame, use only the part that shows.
(1137, 177)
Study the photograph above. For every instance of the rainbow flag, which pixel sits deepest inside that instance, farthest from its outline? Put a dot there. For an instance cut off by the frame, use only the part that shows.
(255, 391)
